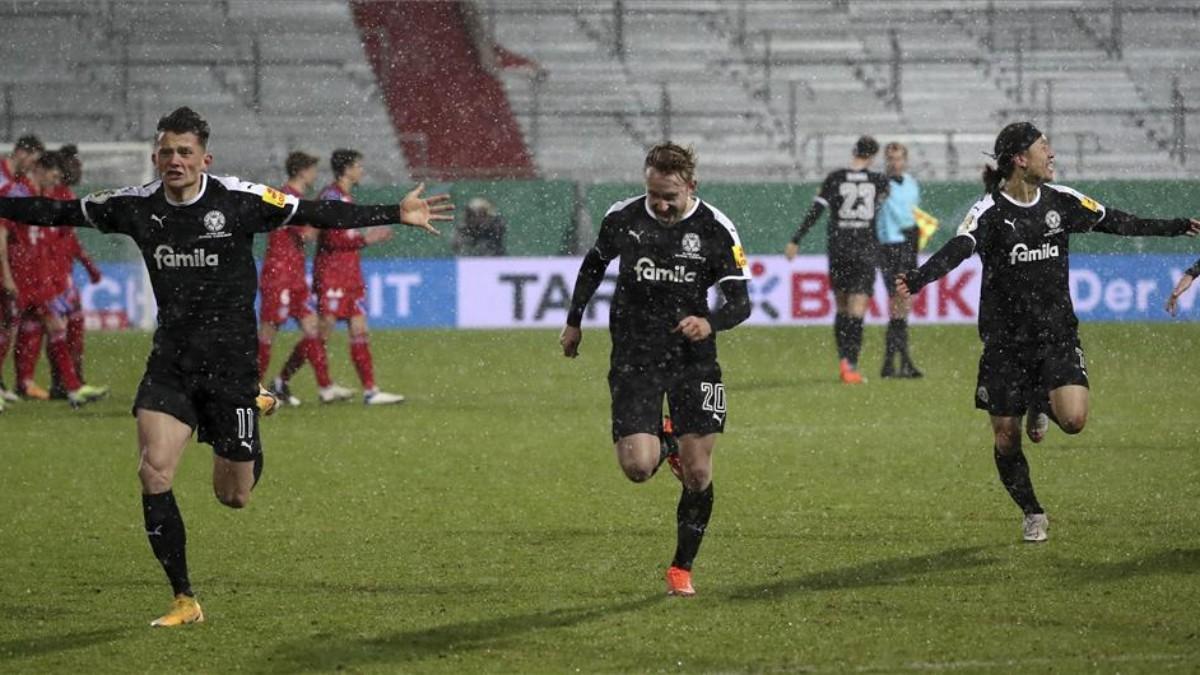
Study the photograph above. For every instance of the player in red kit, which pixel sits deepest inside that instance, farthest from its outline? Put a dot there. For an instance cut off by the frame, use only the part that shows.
(338, 280)
(285, 295)
(40, 292)
(25, 153)
(61, 256)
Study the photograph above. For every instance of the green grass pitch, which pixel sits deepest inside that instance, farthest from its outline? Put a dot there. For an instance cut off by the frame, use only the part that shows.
(485, 526)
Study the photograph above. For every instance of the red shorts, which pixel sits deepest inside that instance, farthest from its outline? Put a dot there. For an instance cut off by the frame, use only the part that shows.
(280, 304)
(341, 303)
(59, 305)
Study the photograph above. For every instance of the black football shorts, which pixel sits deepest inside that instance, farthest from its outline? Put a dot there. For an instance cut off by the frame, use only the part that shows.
(853, 274)
(221, 408)
(1011, 375)
(694, 392)
(896, 259)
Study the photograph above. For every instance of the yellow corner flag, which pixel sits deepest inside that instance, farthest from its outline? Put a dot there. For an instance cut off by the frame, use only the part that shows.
(926, 226)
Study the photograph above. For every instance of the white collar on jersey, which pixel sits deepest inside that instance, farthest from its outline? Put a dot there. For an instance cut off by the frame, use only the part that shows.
(689, 214)
(1023, 205)
(193, 200)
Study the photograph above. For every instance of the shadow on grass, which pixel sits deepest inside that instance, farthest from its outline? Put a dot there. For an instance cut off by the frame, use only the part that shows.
(876, 573)
(51, 644)
(1168, 561)
(325, 651)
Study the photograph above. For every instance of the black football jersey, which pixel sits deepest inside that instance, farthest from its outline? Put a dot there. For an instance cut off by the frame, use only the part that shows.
(198, 253)
(1025, 250)
(665, 273)
(853, 199)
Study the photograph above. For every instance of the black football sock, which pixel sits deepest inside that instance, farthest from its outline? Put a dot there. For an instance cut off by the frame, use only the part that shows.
(168, 540)
(692, 516)
(897, 337)
(1014, 474)
(839, 334)
(854, 338)
(258, 467)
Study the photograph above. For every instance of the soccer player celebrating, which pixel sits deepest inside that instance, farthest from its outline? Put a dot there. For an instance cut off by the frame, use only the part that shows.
(338, 280)
(853, 197)
(673, 247)
(285, 295)
(896, 228)
(1021, 230)
(196, 231)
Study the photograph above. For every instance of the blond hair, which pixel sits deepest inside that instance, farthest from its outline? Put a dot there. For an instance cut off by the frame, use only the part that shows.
(668, 158)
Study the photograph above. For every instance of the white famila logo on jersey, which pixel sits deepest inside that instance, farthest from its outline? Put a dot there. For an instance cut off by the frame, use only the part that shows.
(1022, 253)
(646, 270)
(166, 257)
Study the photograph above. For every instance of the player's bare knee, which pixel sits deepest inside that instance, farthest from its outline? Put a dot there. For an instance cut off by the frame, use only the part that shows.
(697, 480)
(154, 479)
(1008, 441)
(234, 498)
(1073, 423)
(636, 471)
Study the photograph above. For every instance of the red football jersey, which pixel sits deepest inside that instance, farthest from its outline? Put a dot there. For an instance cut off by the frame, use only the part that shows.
(337, 264)
(28, 251)
(283, 266)
(61, 250)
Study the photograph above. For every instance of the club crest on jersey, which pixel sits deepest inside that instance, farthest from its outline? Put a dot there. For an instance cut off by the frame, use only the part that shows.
(214, 222)
(691, 243)
(165, 257)
(691, 247)
(1054, 222)
(1024, 254)
(646, 270)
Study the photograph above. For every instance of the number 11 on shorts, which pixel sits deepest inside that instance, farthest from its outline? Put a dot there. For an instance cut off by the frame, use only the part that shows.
(245, 423)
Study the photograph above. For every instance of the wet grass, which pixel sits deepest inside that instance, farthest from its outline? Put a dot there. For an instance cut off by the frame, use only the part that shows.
(485, 526)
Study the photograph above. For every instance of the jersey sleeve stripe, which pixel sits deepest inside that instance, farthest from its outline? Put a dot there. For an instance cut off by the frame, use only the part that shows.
(726, 223)
(970, 236)
(102, 196)
(295, 204)
(735, 277)
(1083, 199)
(821, 200)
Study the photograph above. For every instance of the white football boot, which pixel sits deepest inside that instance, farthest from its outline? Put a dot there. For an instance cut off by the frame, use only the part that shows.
(334, 392)
(1034, 528)
(376, 397)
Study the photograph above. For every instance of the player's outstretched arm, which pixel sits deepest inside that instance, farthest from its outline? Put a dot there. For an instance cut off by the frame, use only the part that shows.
(810, 219)
(1128, 225)
(43, 211)
(939, 265)
(414, 211)
(1184, 283)
(421, 212)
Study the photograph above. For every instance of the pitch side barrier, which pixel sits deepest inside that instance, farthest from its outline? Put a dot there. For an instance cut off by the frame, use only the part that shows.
(532, 292)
